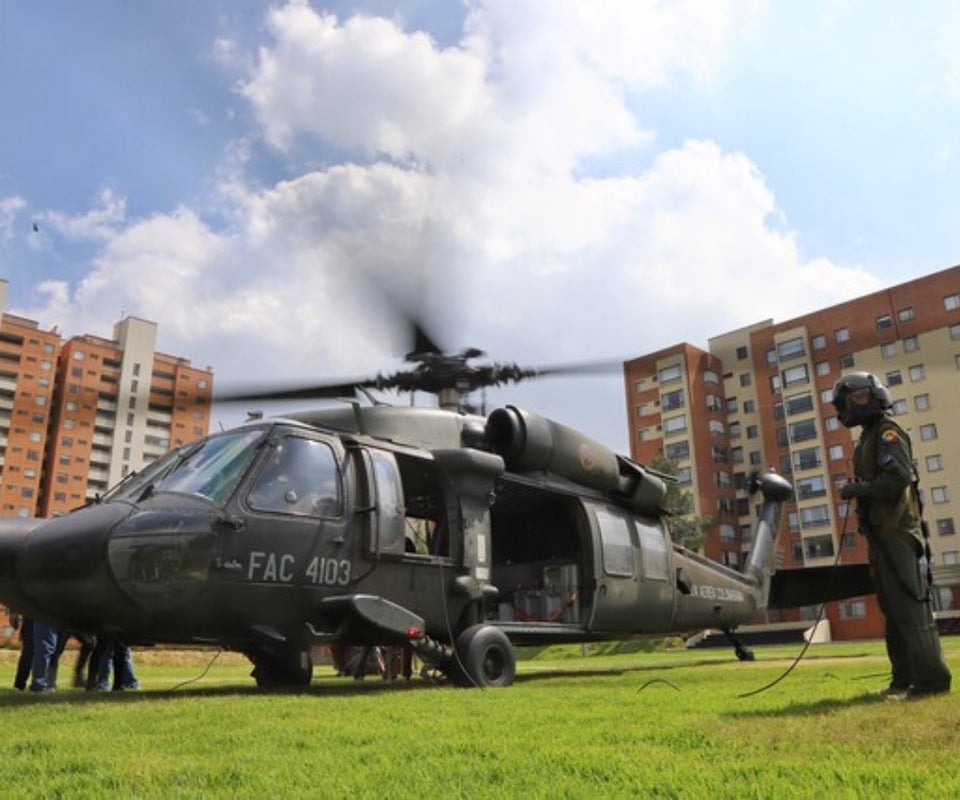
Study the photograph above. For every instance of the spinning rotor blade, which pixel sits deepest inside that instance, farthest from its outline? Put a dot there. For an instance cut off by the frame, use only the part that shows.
(316, 392)
(577, 368)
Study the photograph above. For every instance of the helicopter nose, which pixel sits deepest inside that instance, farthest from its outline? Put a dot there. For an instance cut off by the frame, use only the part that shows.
(59, 570)
(13, 532)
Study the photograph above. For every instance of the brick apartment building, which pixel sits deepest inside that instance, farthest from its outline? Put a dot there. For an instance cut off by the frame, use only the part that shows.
(759, 398)
(77, 415)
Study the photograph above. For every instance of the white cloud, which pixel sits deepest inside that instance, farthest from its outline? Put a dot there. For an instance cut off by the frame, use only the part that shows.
(467, 199)
(10, 210)
(99, 223)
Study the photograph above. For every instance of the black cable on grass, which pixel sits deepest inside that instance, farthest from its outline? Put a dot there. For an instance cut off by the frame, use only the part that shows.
(201, 675)
(823, 606)
(658, 680)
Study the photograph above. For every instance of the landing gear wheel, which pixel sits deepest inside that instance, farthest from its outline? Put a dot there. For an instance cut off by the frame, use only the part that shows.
(485, 658)
(288, 670)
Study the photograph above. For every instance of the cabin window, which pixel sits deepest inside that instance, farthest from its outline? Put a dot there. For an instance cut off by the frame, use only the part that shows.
(390, 512)
(653, 544)
(299, 478)
(617, 543)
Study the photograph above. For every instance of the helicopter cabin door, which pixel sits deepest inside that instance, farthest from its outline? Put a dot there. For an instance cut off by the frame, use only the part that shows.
(633, 592)
(294, 496)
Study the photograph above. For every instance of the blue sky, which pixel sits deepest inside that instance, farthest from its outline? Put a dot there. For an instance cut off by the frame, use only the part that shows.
(547, 180)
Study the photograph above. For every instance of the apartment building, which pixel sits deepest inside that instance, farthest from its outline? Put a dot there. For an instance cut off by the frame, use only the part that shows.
(77, 415)
(759, 398)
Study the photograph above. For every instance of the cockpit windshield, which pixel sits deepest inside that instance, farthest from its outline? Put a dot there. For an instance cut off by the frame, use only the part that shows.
(214, 468)
(137, 482)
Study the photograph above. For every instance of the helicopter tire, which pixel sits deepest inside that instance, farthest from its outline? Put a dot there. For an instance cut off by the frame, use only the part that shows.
(290, 670)
(485, 658)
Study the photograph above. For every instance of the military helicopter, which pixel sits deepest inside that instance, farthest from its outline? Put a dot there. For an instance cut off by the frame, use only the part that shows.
(450, 533)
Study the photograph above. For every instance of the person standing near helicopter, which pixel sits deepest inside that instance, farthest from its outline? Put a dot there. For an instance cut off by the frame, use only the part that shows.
(888, 512)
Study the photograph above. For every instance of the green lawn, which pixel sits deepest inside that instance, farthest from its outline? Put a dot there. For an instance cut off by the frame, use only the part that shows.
(662, 724)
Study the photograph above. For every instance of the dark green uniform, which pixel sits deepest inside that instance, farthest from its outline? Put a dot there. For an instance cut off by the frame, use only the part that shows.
(889, 515)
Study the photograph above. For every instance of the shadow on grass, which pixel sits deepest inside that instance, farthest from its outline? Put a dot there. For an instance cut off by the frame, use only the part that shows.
(814, 708)
(320, 688)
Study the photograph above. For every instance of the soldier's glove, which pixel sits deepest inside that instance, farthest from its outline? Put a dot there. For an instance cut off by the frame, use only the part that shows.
(853, 489)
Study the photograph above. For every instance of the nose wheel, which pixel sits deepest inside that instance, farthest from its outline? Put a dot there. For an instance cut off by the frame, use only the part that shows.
(289, 669)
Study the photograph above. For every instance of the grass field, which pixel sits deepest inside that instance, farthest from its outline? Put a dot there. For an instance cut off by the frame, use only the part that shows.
(665, 724)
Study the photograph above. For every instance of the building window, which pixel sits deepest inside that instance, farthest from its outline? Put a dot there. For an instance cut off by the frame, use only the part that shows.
(795, 375)
(911, 344)
(811, 487)
(670, 374)
(741, 353)
(803, 431)
(711, 378)
(884, 321)
(888, 350)
(749, 407)
(945, 526)
(792, 348)
(939, 494)
(808, 458)
(899, 407)
(835, 452)
(922, 402)
(823, 368)
(955, 331)
(672, 400)
(854, 609)
(894, 378)
(677, 451)
(916, 373)
(799, 403)
(818, 342)
(745, 379)
(841, 335)
(905, 314)
(928, 432)
(674, 425)
(831, 424)
(716, 427)
(951, 302)
(933, 463)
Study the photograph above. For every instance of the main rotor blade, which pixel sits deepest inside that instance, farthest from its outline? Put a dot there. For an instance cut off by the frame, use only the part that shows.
(599, 367)
(315, 392)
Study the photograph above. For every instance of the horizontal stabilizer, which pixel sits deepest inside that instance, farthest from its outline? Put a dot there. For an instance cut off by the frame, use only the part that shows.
(792, 588)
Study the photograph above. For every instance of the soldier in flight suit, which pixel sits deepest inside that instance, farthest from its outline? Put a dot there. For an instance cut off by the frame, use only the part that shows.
(888, 511)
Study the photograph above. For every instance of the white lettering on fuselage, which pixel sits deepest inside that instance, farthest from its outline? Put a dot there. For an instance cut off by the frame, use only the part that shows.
(267, 567)
(270, 567)
(718, 593)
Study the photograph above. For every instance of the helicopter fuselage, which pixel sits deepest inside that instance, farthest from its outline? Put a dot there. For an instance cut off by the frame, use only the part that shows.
(454, 535)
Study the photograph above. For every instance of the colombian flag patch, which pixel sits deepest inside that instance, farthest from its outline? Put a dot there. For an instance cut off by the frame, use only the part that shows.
(890, 437)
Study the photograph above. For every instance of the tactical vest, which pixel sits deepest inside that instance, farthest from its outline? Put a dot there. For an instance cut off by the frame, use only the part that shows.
(889, 516)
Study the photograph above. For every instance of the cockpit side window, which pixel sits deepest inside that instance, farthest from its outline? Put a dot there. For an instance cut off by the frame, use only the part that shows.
(299, 478)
